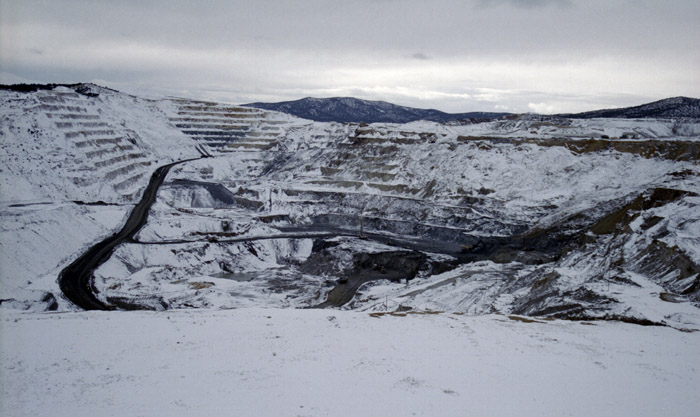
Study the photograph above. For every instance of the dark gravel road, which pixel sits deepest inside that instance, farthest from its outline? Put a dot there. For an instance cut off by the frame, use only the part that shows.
(76, 280)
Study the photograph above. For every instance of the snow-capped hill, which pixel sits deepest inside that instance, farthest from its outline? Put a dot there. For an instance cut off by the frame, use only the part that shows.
(91, 143)
(675, 107)
(82, 142)
(353, 110)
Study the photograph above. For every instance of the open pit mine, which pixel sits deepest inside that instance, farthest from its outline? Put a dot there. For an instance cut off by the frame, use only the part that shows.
(111, 201)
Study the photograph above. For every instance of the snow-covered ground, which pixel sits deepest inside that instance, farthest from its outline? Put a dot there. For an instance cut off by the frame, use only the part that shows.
(267, 362)
(38, 240)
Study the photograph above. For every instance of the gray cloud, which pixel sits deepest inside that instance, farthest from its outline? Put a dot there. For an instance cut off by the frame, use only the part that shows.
(284, 49)
(420, 56)
(526, 4)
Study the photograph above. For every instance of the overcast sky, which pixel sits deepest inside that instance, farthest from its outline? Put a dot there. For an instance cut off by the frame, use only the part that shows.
(453, 55)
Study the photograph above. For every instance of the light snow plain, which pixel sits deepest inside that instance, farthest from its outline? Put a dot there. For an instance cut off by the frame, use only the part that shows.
(455, 358)
(271, 362)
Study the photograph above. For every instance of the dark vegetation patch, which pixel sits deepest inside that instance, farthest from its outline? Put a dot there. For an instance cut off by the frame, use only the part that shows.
(80, 88)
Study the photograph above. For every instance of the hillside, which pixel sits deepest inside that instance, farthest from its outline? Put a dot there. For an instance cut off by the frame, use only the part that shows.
(676, 107)
(353, 110)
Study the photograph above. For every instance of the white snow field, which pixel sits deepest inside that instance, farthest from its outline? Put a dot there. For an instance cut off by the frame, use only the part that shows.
(270, 362)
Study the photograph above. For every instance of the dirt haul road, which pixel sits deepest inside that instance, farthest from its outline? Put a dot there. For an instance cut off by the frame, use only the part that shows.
(76, 280)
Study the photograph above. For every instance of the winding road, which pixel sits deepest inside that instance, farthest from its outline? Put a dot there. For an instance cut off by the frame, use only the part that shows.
(76, 280)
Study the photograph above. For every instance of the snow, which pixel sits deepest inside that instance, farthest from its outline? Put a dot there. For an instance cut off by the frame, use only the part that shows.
(469, 289)
(37, 240)
(172, 272)
(683, 225)
(267, 362)
(62, 145)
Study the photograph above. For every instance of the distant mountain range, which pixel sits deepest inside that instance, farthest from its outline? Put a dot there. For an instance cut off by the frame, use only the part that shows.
(667, 108)
(349, 109)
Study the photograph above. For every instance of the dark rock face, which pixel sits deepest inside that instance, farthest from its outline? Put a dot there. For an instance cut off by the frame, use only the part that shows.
(604, 246)
(595, 241)
(50, 300)
(672, 268)
(618, 220)
(46, 299)
(357, 268)
(222, 196)
(394, 266)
